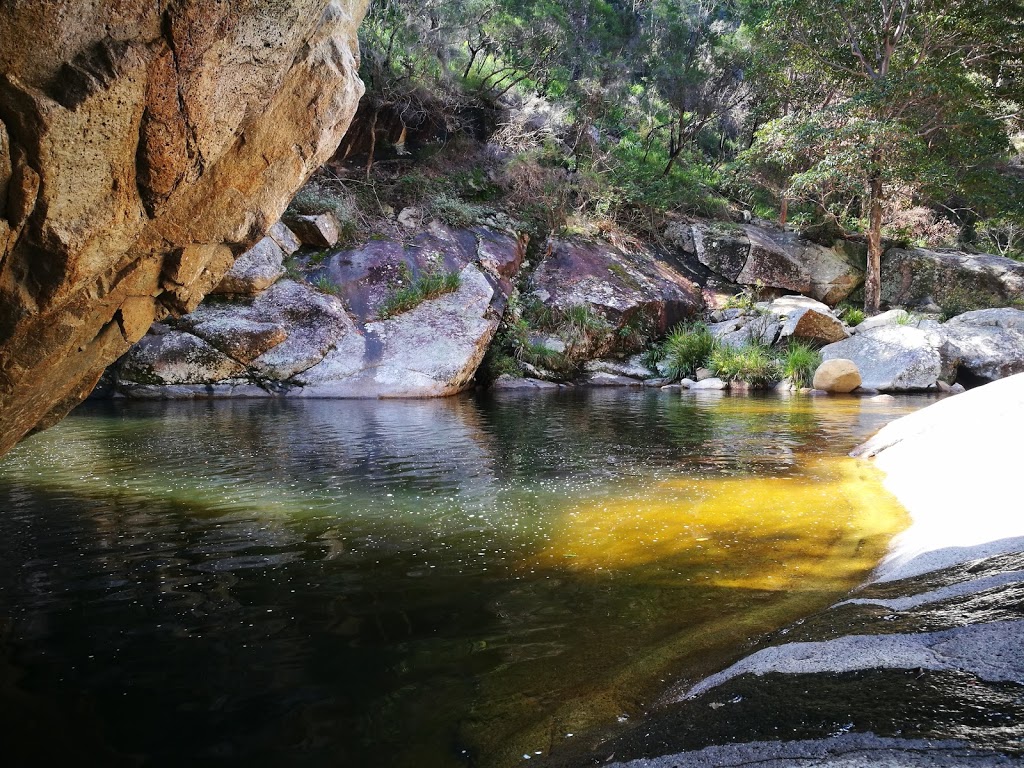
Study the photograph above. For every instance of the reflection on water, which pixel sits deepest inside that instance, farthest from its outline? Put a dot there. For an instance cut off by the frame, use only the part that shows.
(442, 583)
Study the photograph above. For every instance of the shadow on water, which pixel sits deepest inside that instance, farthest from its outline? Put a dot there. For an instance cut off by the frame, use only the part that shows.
(442, 583)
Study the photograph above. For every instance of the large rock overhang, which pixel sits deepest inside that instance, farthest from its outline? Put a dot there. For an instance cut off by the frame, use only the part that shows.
(143, 146)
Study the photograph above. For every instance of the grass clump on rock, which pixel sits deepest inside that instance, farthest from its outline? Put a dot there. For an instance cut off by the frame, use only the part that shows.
(751, 363)
(798, 362)
(687, 348)
(427, 286)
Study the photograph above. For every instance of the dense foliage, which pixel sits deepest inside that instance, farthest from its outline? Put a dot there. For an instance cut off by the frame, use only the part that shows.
(892, 118)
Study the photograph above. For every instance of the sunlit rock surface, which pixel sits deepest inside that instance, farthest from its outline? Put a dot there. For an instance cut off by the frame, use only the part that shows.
(294, 340)
(142, 147)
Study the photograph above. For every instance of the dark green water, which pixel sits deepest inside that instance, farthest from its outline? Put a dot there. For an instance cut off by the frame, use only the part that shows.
(431, 583)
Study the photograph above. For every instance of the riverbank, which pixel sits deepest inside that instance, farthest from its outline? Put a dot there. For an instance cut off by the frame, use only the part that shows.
(922, 667)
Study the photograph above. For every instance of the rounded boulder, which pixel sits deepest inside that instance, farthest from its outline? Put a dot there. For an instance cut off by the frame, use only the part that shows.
(837, 376)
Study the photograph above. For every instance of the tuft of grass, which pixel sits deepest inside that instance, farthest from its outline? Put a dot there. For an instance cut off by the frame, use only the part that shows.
(427, 286)
(851, 315)
(455, 212)
(751, 363)
(687, 348)
(579, 322)
(324, 284)
(798, 363)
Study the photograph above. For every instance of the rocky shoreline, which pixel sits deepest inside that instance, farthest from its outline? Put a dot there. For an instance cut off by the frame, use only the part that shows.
(298, 315)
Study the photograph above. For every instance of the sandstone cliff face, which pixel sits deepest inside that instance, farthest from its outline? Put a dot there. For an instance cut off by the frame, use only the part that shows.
(144, 145)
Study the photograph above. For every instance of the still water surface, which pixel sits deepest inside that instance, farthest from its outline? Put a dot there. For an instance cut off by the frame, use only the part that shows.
(467, 582)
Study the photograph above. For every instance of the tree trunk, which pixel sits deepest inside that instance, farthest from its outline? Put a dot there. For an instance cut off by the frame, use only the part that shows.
(873, 276)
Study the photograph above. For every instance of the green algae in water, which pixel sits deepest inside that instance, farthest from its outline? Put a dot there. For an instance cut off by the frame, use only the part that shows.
(413, 584)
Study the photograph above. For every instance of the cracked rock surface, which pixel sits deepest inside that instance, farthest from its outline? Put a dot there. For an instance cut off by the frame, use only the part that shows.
(143, 146)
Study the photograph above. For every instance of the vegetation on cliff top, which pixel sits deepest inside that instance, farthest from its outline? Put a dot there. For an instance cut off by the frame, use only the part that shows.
(888, 120)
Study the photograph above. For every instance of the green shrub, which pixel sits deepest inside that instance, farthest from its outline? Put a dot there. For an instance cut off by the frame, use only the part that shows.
(851, 315)
(687, 348)
(429, 285)
(455, 212)
(798, 363)
(751, 363)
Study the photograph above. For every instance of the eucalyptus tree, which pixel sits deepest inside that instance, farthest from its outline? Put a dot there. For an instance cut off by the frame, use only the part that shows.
(885, 93)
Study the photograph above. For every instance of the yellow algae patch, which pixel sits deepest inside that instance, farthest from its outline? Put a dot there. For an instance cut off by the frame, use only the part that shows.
(820, 527)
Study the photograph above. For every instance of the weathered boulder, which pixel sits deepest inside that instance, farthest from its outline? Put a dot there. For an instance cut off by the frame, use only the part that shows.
(986, 345)
(173, 357)
(255, 270)
(283, 332)
(892, 317)
(723, 250)
(957, 282)
(292, 340)
(618, 284)
(805, 319)
(756, 256)
(837, 376)
(315, 230)
(367, 276)
(285, 238)
(432, 350)
(894, 358)
(147, 144)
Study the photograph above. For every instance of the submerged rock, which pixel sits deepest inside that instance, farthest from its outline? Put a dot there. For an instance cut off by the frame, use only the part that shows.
(921, 666)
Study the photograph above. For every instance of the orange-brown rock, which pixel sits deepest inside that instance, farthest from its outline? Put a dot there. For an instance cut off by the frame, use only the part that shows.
(143, 146)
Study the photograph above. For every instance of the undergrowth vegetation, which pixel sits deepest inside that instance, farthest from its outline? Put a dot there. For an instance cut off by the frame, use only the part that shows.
(428, 285)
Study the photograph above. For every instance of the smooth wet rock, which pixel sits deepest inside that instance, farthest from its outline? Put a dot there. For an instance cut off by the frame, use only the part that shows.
(605, 379)
(513, 384)
(838, 376)
(631, 368)
(709, 384)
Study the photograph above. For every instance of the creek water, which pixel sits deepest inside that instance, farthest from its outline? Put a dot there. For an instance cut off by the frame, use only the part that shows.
(478, 581)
